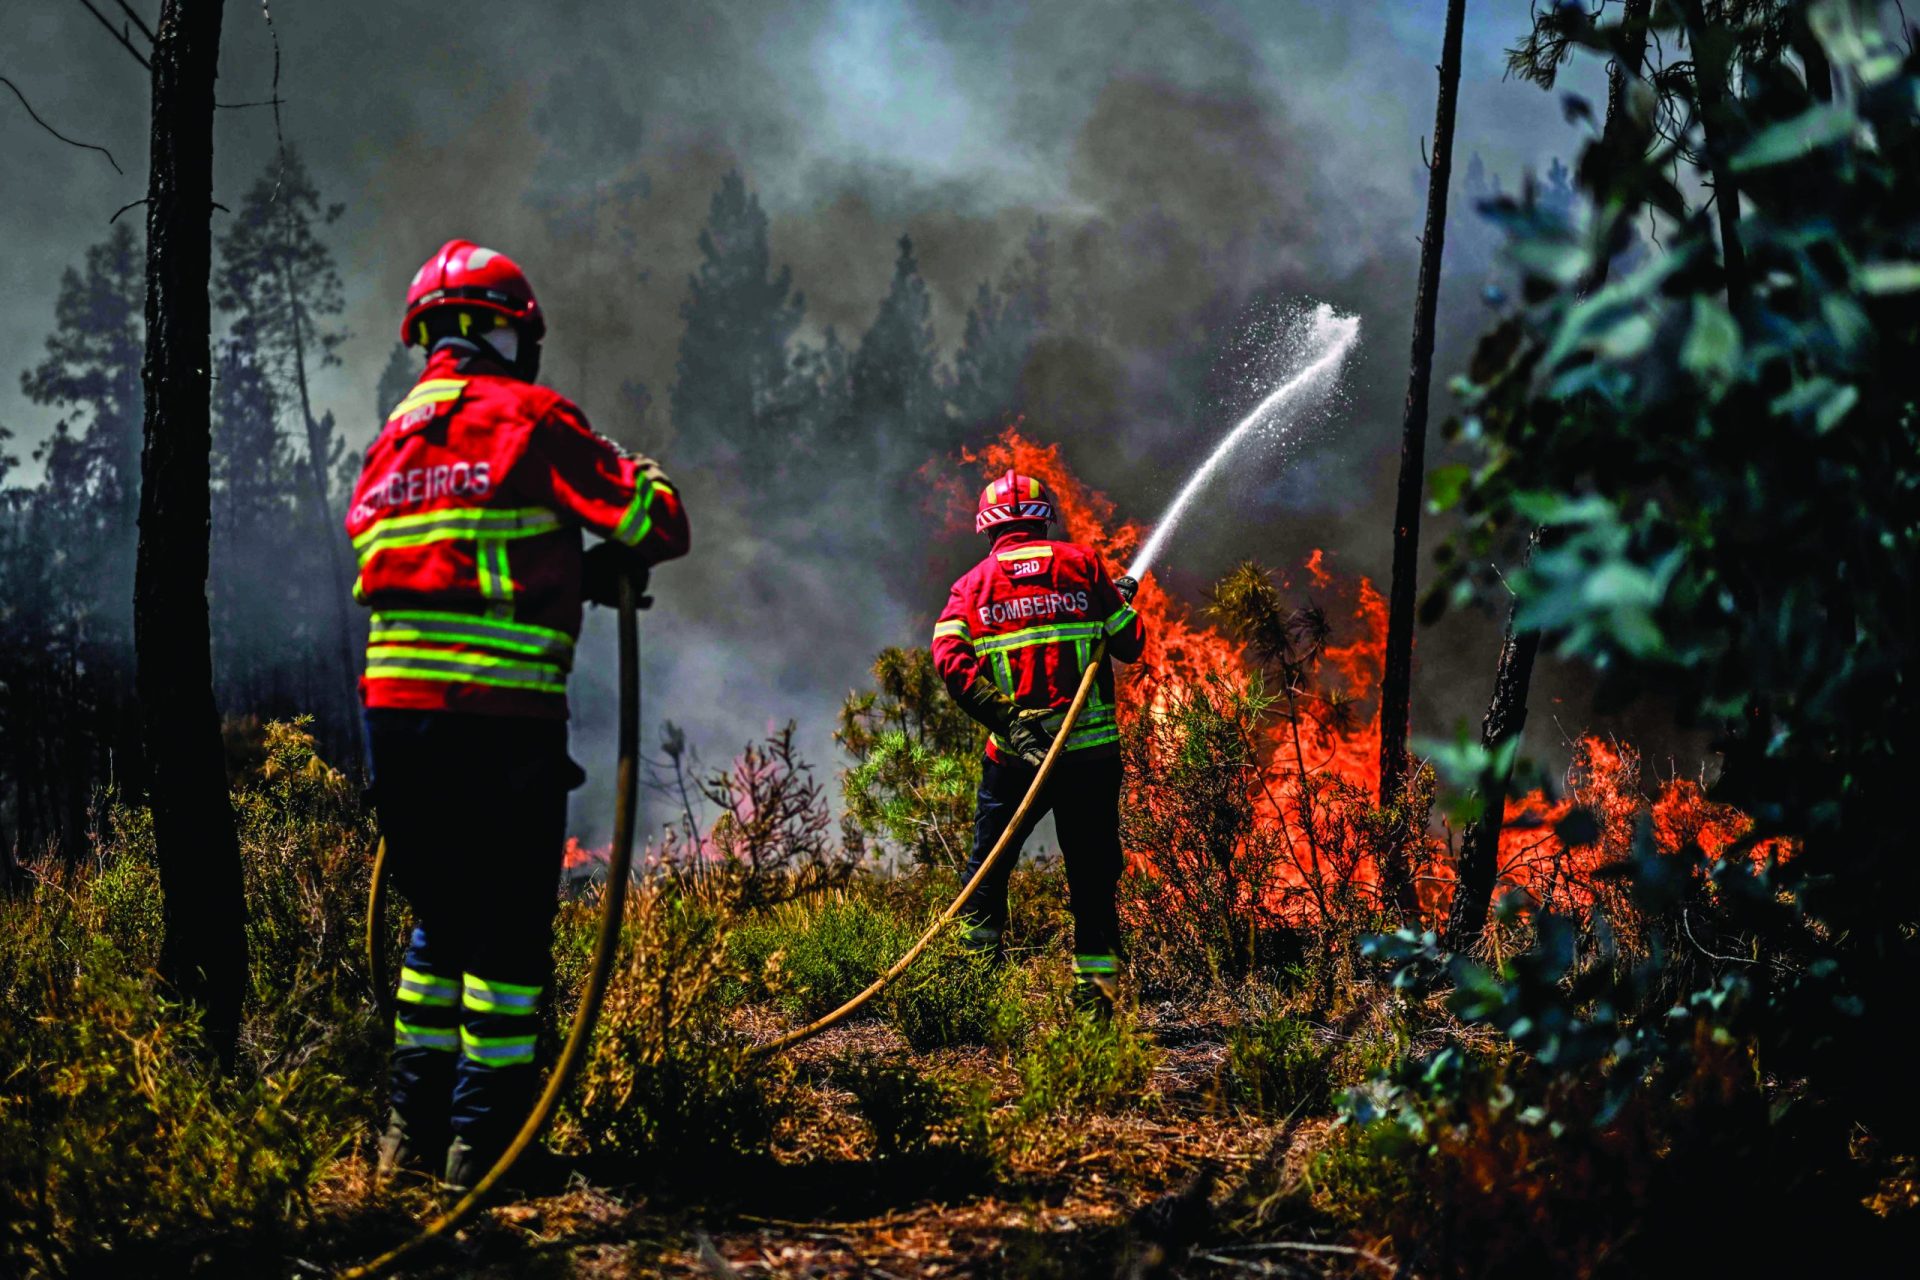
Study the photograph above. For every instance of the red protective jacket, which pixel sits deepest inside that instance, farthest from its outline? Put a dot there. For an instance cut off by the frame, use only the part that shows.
(1027, 618)
(466, 520)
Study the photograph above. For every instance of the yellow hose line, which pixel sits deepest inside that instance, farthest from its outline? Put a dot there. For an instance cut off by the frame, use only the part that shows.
(787, 1041)
(606, 949)
(376, 916)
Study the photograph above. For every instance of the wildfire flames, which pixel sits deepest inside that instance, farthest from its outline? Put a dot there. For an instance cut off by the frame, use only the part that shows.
(1327, 783)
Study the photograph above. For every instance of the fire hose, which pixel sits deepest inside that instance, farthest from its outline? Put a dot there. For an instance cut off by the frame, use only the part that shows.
(606, 948)
(619, 863)
(900, 966)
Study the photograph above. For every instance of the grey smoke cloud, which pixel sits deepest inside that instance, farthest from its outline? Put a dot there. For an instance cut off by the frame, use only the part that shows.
(1188, 159)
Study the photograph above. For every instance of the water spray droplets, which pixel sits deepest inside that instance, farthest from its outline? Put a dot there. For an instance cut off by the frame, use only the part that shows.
(1317, 349)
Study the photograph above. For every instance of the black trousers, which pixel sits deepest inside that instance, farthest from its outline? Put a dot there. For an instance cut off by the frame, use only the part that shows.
(1084, 797)
(474, 811)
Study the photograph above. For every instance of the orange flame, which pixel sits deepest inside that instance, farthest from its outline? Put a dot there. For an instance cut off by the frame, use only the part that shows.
(1330, 777)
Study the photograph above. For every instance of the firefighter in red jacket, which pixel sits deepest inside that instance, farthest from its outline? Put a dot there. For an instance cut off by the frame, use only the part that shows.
(1012, 643)
(467, 521)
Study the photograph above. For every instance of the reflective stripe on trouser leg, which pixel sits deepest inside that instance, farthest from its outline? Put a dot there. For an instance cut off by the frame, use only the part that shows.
(1095, 968)
(426, 1004)
(427, 990)
(426, 1043)
(500, 1027)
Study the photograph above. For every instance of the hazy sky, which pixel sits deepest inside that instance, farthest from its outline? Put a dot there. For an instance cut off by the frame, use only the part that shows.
(1186, 156)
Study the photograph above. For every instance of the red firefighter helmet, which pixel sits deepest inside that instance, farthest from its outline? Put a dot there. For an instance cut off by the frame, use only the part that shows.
(463, 274)
(1013, 497)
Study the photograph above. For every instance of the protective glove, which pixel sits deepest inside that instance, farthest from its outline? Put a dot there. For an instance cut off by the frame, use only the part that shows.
(603, 567)
(1029, 735)
(1126, 586)
(984, 701)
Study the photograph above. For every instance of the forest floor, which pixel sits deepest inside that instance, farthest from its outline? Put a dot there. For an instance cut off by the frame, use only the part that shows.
(1098, 1195)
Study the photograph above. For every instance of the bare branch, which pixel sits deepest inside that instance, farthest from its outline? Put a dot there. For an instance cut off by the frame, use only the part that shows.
(138, 21)
(119, 35)
(55, 132)
(123, 208)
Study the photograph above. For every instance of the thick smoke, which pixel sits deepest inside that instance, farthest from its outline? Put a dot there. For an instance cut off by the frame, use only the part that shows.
(1194, 167)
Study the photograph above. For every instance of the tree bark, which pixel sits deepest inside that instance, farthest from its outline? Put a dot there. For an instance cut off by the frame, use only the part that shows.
(1711, 43)
(1513, 673)
(1396, 685)
(1480, 843)
(204, 954)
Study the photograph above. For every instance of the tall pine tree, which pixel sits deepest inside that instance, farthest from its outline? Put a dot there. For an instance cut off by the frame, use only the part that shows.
(895, 402)
(259, 658)
(90, 494)
(736, 395)
(1002, 326)
(278, 279)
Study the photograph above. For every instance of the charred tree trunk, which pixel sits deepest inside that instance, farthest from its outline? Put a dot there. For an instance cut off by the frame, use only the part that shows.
(1712, 58)
(1396, 686)
(1480, 843)
(1513, 673)
(205, 952)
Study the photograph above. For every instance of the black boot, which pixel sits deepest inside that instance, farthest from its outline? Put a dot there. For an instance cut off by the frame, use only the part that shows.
(1096, 994)
(466, 1165)
(404, 1148)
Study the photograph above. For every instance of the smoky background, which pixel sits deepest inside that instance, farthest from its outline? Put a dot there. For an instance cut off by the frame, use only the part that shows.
(1138, 187)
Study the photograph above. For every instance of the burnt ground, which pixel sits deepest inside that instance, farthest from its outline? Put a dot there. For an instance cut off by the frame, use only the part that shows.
(1136, 1193)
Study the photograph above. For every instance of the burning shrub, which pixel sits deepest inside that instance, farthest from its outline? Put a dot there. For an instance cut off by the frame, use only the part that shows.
(916, 760)
(1203, 863)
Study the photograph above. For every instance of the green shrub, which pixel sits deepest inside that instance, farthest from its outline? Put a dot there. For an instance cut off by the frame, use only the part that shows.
(912, 1111)
(123, 890)
(663, 1075)
(812, 955)
(118, 1137)
(954, 995)
(1085, 1064)
(1277, 1066)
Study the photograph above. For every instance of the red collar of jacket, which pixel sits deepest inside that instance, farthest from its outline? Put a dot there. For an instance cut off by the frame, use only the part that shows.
(1014, 538)
(449, 361)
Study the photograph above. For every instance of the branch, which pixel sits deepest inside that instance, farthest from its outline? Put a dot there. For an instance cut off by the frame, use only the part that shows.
(1296, 1246)
(119, 35)
(55, 132)
(138, 21)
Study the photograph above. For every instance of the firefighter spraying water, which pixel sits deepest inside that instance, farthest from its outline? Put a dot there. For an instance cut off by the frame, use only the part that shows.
(1019, 631)
(467, 520)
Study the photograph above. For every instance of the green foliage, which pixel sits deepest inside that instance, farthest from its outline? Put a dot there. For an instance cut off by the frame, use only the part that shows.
(916, 760)
(119, 1140)
(912, 1111)
(1722, 449)
(663, 1077)
(1083, 1065)
(1277, 1066)
(954, 995)
(813, 955)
